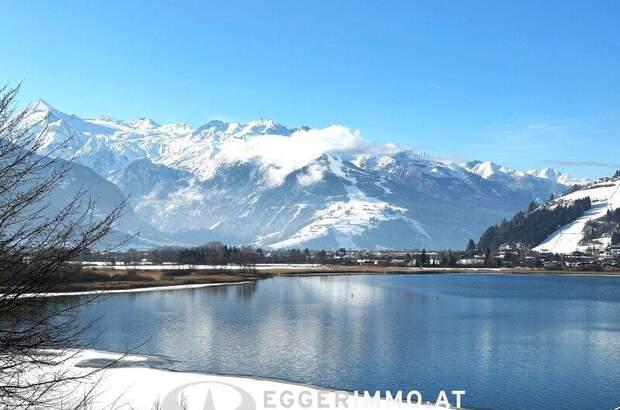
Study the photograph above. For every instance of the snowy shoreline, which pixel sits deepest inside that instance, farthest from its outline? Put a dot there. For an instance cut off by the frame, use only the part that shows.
(131, 290)
(131, 383)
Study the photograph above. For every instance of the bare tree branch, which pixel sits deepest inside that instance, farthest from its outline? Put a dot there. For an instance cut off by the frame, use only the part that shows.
(37, 240)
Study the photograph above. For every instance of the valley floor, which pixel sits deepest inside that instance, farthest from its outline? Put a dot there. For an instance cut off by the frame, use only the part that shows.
(151, 278)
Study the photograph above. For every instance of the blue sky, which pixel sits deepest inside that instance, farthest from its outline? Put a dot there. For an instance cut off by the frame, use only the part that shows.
(525, 84)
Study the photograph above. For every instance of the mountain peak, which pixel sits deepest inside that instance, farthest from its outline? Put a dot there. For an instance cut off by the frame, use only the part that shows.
(40, 105)
(265, 122)
(108, 119)
(553, 174)
(266, 126)
(485, 169)
(215, 125)
(144, 123)
(546, 173)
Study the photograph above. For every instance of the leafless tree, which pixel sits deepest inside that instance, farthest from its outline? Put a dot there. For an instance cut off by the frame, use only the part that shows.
(37, 240)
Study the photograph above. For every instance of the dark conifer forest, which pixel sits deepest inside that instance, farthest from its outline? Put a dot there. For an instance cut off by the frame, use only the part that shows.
(533, 226)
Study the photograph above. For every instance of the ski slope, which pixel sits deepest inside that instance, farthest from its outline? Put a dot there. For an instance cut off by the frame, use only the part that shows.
(604, 196)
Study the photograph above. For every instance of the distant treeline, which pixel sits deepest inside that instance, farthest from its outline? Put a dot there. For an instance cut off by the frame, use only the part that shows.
(216, 253)
(533, 226)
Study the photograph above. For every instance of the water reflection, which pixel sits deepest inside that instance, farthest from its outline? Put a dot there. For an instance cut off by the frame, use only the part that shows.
(245, 291)
(511, 342)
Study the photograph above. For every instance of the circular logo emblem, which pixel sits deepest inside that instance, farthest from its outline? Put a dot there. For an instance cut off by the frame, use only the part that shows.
(174, 399)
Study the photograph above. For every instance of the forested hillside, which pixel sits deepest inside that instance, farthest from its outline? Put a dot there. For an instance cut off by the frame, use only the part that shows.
(533, 226)
(607, 225)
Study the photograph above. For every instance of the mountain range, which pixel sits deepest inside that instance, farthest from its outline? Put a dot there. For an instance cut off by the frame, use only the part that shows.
(267, 185)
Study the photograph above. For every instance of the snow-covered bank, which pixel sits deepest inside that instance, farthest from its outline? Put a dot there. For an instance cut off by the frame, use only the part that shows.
(134, 290)
(133, 384)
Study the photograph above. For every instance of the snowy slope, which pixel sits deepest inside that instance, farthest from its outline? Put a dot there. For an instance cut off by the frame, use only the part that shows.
(605, 196)
(448, 180)
(353, 214)
(343, 208)
(539, 183)
(104, 197)
(262, 183)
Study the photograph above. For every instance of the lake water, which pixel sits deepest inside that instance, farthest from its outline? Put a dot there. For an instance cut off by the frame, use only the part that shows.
(512, 342)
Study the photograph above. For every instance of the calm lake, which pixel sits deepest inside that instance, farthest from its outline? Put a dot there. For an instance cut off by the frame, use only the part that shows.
(512, 342)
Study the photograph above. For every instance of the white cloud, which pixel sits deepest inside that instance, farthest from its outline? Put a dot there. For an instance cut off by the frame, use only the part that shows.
(313, 174)
(281, 155)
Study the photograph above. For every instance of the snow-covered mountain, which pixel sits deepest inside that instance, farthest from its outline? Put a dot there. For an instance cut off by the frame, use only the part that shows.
(268, 185)
(605, 197)
(106, 196)
(93, 190)
(538, 183)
